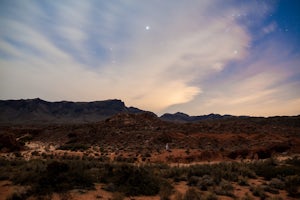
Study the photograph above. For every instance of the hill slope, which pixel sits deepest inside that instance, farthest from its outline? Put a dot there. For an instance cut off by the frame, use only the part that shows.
(182, 117)
(40, 111)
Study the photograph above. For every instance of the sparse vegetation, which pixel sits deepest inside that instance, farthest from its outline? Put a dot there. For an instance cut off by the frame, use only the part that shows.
(98, 154)
(269, 169)
(292, 185)
(52, 175)
(258, 191)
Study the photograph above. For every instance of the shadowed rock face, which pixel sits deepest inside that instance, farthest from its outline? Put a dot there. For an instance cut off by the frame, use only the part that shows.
(40, 111)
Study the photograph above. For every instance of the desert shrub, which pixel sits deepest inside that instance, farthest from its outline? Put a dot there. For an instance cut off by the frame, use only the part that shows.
(205, 182)
(244, 170)
(284, 170)
(60, 177)
(5, 167)
(292, 184)
(45, 177)
(192, 194)
(180, 178)
(176, 173)
(270, 189)
(193, 180)
(19, 194)
(199, 170)
(258, 191)
(224, 173)
(227, 171)
(231, 171)
(225, 188)
(243, 181)
(131, 180)
(166, 190)
(270, 170)
(27, 173)
(276, 183)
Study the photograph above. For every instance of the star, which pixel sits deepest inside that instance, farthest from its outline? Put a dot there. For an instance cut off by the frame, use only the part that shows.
(147, 28)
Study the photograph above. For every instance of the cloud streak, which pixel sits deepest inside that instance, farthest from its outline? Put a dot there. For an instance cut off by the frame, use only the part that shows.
(91, 50)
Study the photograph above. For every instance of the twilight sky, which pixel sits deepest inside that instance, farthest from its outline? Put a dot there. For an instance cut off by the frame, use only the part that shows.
(239, 57)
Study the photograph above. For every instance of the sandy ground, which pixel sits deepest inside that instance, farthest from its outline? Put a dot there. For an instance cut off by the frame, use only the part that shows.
(6, 188)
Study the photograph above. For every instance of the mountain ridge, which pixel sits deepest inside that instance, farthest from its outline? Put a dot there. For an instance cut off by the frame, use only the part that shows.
(34, 111)
(41, 111)
(183, 117)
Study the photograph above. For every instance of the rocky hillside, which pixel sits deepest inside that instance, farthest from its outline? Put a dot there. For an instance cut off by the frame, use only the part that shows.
(39, 111)
(182, 117)
(145, 132)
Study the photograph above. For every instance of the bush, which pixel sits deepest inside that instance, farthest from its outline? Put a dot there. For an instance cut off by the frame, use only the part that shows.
(225, 188)
(292, 184)
(271, 190)
(18, 195)
(247, 197)
(276, 183)
(205, 182)
(192, 194)
(270, 170)
(132, 180)
(177, 173)
(166, 190)
(60, 177)
(243, 181)
(258, 191)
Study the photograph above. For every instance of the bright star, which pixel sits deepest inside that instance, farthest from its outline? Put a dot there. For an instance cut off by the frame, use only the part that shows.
(147, 28)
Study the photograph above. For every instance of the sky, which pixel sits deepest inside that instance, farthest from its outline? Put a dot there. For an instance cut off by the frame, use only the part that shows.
(239, 57)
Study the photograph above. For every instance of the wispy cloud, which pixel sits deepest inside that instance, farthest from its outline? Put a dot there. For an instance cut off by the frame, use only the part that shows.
(153, 55)
(260, 85)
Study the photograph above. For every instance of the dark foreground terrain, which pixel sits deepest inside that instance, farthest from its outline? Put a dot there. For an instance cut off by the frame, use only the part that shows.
(124, 156)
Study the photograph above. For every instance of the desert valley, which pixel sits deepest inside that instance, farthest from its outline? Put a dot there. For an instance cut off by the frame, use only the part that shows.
(105, 150)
